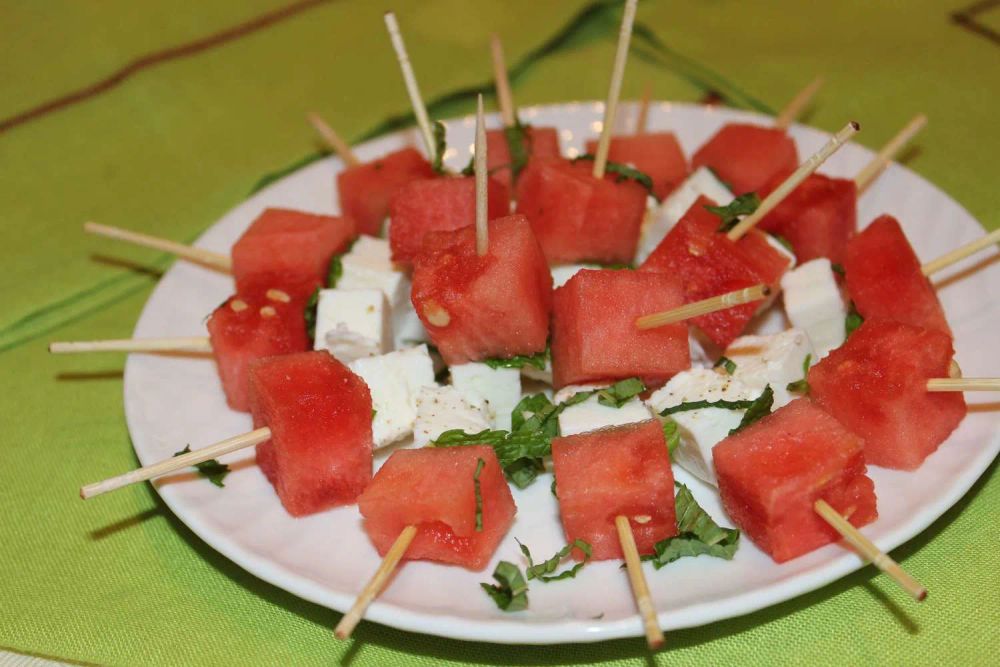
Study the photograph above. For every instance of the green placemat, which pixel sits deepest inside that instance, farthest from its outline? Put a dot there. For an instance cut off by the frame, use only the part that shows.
(186, 136)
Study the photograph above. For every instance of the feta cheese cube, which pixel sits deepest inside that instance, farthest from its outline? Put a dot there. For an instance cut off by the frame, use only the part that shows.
(673, 208)
(562, 273)
(441, 409)
(499, 387)
(590, 415)
(774, 360)
(700, 430)
(395, 380)
(369, 265)
(353, 323)
(814, 304)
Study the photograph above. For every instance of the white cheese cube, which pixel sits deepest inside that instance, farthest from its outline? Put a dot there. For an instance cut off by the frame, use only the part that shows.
(533, 373)
(562, 273)
(774, 360)
(395, 380)
(590, 415)
(701, 348)
(673, 208)
(441, 409)
(369, 265)
(353, 323)
(776, 289)
(814, 304)
(499, 387)
(700, 430)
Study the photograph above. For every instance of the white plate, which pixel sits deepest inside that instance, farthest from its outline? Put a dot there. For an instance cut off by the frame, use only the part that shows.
(326, 558)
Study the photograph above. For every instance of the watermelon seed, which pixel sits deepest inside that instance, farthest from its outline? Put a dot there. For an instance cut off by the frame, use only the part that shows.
(436, 315)
(268, 311)
(642, 518)
(278, 295)
(238, 305)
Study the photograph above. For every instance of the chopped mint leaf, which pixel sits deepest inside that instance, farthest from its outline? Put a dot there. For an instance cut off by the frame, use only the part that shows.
(538, 360)
(374, 412)
(727, 364)
(623, 172)
(535, 413)
(552, 488)
(736, 209)
(838, 269)
(761, 407)
(211, 469)
(520, 454)
(518, 138)
(469, 169)
(697, 534)
(439, 147)
(511, 591)
(853, 320)
(620, 392)
(479, 494)
(310, 313)
(671, 434)
(336, 268)
(701, 405)
(543, 571)
(802, 386)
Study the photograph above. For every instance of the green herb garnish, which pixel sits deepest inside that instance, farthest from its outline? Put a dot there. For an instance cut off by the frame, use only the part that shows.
(701, 405)
(802, 386)
(727, 364)
(761, 407)
(479, 494)
(211, 469)
(538, 360)
(543, 571)
(518, 146)
(853, 320)
(620, 392)
(439, 147)
(310, 313)
(697, 534)
(623, 172)
(838, 269)
(672, 434)
(734, 210)
(511, 591)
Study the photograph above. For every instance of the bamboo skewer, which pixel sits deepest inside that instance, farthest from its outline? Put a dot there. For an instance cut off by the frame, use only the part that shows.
(888, 153)
(640, 589)
(410, 79)
(798, 104)
(375, 584)
(963, 384)
(703, 307)
(176, 463)
(180, 344)
(960, 253)
(642, 113)
(504, 97)
(213, 259)
(879, 558)
(482, 226)
(333, 140)
(793, 181)
(614, 89)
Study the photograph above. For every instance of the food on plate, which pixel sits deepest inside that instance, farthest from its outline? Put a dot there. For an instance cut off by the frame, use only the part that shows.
(817, 218)
(530, 143)
(656, 154)
(352, 323)
(747, 157)
(775, 360)
(366, 189)
(814, 304)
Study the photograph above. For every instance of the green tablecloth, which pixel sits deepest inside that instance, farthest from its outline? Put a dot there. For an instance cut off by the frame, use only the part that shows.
(211, 99)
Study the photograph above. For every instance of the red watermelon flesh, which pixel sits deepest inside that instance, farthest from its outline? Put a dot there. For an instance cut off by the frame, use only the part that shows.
(817, 218)
(438, 204)
(434, 489)
(772, 472)
(884, 278)
(251, 326)
(657, 154)
(594, 336)
(365, 190)
(294, 244)
(708, 264)
(543, 143)
(615, 471)
(497, 305)
(876, 385)
(320, 416)
(578, 218)
(748, 156)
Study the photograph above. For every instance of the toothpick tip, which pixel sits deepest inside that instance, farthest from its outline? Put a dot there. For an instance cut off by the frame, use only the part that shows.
(856, 125)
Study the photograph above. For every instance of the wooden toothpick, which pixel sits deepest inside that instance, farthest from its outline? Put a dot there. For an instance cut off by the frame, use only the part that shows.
(703, 307)
(375, 584)
(798, 104)
(960, 253)
(642, 113)
(793, 181)
(177, 462)
(868, 550)
(410, 79)
(888, 153)
(482, 226)
(614, 90)
(963, 384)
(640, 589)
(333, 140)
(180, 344)
(502, 81)
(207, 257)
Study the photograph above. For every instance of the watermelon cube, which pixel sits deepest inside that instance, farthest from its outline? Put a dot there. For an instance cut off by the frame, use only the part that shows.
(876, 385)
(772, 472)
(708, 264)
(594, 337)
(543, 144)
(366, 189)
(579, 218)
(438, 204)
(252, 325)
(435, 490)
(474, 307)
(884, 278)
(748, 156)
(293, 244)
(817, 218)
(602, 474)
(320, 416)
(657, 154)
